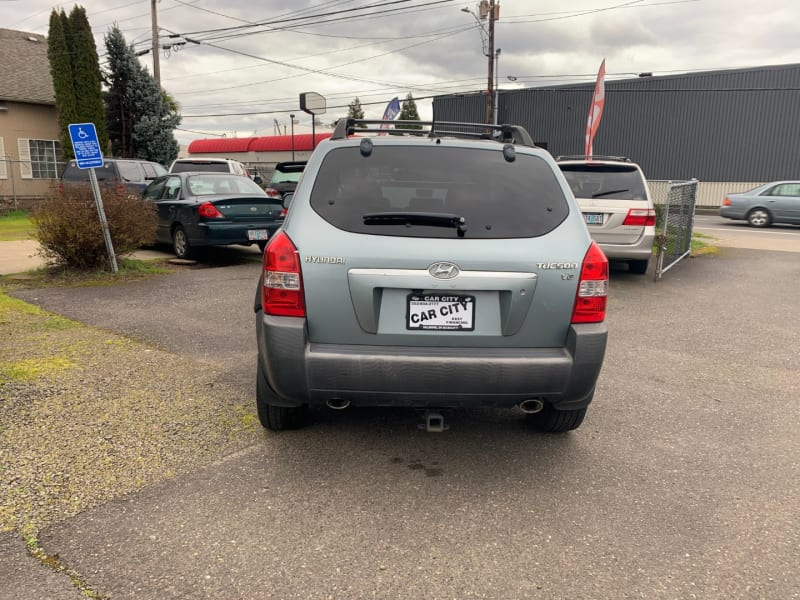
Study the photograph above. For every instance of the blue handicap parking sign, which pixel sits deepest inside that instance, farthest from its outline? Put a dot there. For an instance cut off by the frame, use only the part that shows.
(84, 142)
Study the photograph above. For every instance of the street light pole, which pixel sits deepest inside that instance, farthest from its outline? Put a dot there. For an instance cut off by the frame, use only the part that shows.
(493, 8)
(292, 118)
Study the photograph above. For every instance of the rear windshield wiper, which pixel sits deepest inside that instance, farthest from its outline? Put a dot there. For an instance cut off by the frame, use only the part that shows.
(609, 192)
(417, 218)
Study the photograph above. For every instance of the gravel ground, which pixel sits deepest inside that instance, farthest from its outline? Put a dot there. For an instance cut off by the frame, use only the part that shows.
(87, 415)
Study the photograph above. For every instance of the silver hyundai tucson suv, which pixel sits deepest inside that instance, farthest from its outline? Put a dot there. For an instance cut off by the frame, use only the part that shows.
(447, 267)
(613, 196)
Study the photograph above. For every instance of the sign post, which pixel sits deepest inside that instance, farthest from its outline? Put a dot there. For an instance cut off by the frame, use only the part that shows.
(313, 104)
(88, 155)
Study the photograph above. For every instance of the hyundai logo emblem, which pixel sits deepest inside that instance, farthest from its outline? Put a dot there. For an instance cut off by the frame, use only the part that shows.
(443, 270)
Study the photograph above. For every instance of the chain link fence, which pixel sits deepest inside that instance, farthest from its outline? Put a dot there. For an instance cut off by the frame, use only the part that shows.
(18, 193)
(674, 241)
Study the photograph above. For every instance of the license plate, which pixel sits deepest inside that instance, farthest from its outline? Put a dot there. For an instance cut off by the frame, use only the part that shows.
(257, 234)
(441, 312)
(593, 218)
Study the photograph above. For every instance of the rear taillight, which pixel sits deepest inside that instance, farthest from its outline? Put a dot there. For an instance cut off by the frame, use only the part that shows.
(273, 193)
(726, 202)
(282, 292)
(209, 211)
(590, 301)
(283, 212)
(641, 217)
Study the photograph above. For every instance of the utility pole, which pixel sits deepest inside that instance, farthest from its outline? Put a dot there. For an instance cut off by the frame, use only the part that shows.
(496, 86)
(490, 86)
(156, 66)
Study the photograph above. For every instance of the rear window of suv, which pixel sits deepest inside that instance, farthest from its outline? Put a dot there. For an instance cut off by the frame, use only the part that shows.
(183, 166)
(105, 173)
(598, 180)
(496, 198)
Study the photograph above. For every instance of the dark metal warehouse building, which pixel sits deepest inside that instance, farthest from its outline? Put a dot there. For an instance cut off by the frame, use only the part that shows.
(738, 125)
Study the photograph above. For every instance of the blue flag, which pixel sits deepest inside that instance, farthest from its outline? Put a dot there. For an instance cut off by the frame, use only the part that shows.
(391, 112)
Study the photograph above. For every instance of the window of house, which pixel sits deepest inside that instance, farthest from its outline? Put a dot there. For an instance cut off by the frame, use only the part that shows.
(44, 158)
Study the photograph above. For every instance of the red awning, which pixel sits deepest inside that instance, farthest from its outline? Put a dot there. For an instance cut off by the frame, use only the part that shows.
(220, 145)
(274, 143)
(283, 143)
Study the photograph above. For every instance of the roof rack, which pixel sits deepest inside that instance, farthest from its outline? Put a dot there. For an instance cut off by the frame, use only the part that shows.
(593, 157)
(513, 134)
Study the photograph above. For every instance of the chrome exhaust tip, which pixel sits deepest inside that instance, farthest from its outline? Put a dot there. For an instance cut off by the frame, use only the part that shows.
(337, 403)
(532, 406)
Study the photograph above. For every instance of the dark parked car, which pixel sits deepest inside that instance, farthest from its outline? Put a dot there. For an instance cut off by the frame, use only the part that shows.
(284, 179)
(212, 209)
(776, 202)
(123, 174)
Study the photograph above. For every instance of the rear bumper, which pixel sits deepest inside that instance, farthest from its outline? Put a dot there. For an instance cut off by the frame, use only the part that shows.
(300, 372)
(642, 249)
(730, 212)
(222, 234)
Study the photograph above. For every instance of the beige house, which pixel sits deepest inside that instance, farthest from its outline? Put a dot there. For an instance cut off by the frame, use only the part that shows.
(30, 146)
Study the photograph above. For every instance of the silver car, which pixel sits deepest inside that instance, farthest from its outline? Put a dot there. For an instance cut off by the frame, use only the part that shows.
(434, 268)
(615, 200)
(776, 202)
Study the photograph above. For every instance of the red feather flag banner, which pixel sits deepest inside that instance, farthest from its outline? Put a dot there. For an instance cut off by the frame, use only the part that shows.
(596, 108)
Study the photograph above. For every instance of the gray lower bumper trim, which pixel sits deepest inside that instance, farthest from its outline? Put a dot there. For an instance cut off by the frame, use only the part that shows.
(300, 372)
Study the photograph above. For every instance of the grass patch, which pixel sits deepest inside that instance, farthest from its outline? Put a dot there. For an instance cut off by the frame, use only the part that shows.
(9, 305)
(130, 269)
(15, 225)
(27, 369)
(703, 244)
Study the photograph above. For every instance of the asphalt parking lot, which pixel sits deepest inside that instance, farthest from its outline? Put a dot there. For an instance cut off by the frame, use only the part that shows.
(682, 482)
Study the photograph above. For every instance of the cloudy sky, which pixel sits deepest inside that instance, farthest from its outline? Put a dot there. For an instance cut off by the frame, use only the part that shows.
(253, 59)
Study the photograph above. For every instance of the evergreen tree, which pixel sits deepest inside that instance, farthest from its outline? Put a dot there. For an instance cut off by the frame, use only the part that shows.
(354, 110)
(86, 74)
(58, 55)
(140, 114)
(153, 135)
(408, 112)
(121, 71)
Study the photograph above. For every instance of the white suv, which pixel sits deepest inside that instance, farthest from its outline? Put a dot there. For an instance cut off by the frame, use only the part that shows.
(216, 165)
(613, 196)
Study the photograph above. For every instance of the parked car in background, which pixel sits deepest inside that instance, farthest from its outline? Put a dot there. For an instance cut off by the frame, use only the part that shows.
(212, 209)
(123, 174)
(431, 271)
(613, 196)
(776, 202)
(285, 178)
(215, 165)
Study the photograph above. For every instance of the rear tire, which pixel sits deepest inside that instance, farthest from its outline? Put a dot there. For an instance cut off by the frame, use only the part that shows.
(551, 420)
(180, 243)
(639, 267)
(759, 217)
(276, 418)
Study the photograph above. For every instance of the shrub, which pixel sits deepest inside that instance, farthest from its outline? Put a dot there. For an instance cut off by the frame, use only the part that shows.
(68, 227)
(659, 217)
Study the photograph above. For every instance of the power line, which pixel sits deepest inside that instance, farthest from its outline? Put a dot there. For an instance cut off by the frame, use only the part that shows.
(290, 19)
(326, 71)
